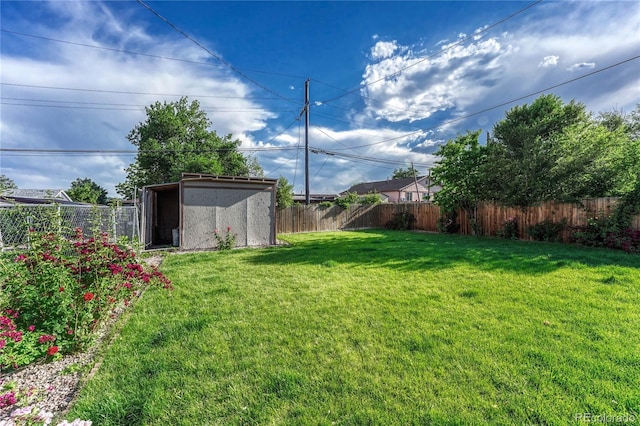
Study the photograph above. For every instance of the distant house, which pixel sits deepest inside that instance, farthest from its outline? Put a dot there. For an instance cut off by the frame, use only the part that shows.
(398, 190)
(37, 196)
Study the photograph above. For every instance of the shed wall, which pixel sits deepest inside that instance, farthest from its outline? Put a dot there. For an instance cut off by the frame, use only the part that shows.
(246, 208)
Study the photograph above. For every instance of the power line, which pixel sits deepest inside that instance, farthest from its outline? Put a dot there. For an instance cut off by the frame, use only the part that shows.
(225, 62)
(129, 52)
(137, 107)
(296, 148)
(120, 92)
(47, 151)
(330, 137)
(371, 161)
(453, 120)
(449, 47)
(362, 157)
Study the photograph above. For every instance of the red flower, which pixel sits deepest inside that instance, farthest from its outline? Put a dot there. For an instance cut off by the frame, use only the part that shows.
(46, 338)
(61, 289)
(115, 269)
(88, 296)
(52, 350)
(31, 327)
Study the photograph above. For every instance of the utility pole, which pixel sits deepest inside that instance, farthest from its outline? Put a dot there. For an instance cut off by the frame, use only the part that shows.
(306, 142)
(415, 179)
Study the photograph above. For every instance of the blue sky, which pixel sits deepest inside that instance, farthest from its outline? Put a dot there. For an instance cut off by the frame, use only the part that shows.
(389, 81)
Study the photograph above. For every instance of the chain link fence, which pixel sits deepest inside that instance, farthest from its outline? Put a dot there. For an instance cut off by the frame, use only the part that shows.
(16, 221)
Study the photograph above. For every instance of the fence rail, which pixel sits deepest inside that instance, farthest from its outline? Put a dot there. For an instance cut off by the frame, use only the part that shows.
(491, 217)
(15, 221)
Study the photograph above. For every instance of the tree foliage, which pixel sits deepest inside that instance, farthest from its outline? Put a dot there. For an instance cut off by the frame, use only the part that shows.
(546, 151)
(404, 173)
(6, 183)
(462, 173)
(525, 146)
(174, 139)
(284, 193)
(87, 191)
(554, 151)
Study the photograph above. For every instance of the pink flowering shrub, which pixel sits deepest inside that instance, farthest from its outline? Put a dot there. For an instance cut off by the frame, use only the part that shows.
(57, 292)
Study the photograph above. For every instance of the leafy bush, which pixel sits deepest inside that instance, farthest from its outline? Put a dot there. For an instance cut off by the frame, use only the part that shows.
(509, 229)
(614, 231)
(226, 242)
(602, 231)
(595, 233)
(401, 221)
(347, 199)
(628, 240)
(370, 199)
(547, 230)
(58, 291)
(628, 207)
(447, 223)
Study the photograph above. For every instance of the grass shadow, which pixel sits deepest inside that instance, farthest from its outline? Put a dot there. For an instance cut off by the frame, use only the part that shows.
(413, 251)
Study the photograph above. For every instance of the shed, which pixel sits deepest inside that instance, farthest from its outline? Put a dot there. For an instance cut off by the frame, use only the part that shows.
(187, 213)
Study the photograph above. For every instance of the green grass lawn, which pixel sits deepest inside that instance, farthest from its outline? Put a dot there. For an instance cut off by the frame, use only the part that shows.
(378, 327)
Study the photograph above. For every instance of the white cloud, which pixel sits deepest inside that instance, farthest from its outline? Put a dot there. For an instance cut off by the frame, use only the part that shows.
(383, 49)
(486, 70)
(581, 66)
(476, 74)
(479, 32)
(102, 120)
(420, 86)
(549, 61)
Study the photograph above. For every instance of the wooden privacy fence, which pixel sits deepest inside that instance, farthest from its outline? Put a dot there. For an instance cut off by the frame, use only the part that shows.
(491, 217)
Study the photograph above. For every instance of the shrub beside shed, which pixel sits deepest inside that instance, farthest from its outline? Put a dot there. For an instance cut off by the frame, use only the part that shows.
(186, 213)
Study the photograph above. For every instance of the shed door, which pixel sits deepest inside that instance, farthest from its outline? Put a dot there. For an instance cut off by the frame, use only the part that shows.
(148, 209)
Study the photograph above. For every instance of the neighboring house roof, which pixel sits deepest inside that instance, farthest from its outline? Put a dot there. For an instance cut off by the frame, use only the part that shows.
(394, 185)
(38, 194)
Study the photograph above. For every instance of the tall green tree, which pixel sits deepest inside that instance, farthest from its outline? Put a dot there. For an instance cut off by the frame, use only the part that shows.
(461, 172)
(174, 139)
(525, 146)
(284, 193)
(554, 151)
(87, 191)
(593, 161)
(618, 119)
(401, 173)
(6, 183)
